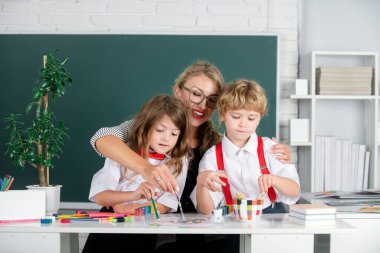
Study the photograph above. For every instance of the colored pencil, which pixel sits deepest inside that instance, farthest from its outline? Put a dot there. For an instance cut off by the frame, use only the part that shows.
(155, 208)
(10, 183)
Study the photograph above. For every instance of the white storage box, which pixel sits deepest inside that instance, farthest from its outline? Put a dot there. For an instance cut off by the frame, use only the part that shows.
(22, 205)
(300, 87)
(299, 130)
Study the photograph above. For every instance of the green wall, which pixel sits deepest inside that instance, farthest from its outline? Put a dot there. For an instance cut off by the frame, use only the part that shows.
(113, 76)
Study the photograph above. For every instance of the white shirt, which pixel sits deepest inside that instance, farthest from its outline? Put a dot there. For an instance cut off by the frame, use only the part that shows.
(243, 169)
(115, 177)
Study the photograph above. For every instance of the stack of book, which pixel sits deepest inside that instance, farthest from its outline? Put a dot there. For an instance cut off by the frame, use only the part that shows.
(344, 81)
(312, 214)
(340, 165)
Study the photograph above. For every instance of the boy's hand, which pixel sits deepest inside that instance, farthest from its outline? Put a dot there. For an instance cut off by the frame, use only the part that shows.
(144, 191)
(281, 152)
(266, 181)
(211, 180)
(160, 177)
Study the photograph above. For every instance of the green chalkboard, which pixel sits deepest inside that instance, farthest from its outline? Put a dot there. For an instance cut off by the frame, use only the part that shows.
(113, 76)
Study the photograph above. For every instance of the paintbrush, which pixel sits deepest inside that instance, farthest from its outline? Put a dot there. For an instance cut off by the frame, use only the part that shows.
(180, 207)
(155, 208)
(261, 196)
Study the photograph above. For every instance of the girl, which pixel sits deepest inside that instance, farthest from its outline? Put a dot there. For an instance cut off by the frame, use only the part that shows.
(160, 135)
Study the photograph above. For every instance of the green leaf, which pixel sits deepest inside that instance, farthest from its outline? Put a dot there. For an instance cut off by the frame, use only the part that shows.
(61, 89)
(30, 107)
(48, 163)
(64, 61)
(37, 95)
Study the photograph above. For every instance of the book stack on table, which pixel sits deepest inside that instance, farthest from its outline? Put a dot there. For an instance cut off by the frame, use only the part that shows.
(312, 214)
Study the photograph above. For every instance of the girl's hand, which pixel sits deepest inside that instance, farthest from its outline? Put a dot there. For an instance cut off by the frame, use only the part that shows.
(144, 191)
(160, 177)
(266, 181)
(281, 152)
(211, 180)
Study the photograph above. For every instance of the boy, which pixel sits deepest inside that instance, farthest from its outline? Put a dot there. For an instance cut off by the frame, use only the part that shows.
(248, 166)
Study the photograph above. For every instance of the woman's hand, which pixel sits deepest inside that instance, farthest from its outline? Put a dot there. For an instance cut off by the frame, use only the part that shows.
(144, 191)
(266, 181)
(160, 177)
(281, 152)
(211, 180)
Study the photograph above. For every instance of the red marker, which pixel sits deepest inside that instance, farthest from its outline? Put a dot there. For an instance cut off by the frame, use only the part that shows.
(64, 220)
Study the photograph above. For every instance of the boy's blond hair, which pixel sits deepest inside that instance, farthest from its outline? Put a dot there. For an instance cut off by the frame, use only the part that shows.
(242, 94)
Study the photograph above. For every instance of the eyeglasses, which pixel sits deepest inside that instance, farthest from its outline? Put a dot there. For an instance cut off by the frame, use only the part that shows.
(197, 96)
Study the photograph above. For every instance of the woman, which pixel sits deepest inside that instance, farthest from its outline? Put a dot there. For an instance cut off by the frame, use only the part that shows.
(198, 87)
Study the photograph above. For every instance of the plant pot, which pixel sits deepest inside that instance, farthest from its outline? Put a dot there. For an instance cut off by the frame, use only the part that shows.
(52, 196)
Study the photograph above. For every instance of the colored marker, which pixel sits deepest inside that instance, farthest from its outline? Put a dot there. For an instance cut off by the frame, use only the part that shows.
(4, 182)
(64, 220)
(106, 220)
(82, 219)
(46, 221)
(69, 216)
(19, 221)
(155, 208)
(119, 219)
(148, 210)
(10, 183)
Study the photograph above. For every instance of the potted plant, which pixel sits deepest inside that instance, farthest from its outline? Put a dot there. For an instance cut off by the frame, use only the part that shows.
(42, 141)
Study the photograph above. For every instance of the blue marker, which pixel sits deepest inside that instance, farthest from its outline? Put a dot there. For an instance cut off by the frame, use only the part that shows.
(46, 221)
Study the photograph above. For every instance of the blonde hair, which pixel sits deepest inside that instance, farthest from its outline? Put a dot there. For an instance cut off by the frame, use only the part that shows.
(206, 133)
(154, 110)
(242, 94)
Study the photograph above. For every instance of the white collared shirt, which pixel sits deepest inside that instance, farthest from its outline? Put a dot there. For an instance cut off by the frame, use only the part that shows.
(243, 169)
(115, 177)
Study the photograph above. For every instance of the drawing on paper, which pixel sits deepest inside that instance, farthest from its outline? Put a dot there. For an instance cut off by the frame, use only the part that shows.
(176, 221)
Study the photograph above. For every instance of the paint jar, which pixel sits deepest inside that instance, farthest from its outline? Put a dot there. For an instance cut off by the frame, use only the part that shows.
(218, 215)
(248, 209)
(143, 214)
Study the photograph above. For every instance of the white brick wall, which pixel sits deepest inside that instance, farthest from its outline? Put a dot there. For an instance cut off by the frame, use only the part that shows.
(123, 16)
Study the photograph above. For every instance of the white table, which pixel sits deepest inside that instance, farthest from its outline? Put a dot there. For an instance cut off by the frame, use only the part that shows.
(367, 237)
(272, 233)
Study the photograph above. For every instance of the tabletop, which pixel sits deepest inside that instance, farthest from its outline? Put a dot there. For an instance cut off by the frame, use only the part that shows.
(170, 224)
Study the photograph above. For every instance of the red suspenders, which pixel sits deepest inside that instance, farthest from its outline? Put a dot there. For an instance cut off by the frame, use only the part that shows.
(263, 167)
(220, 163)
